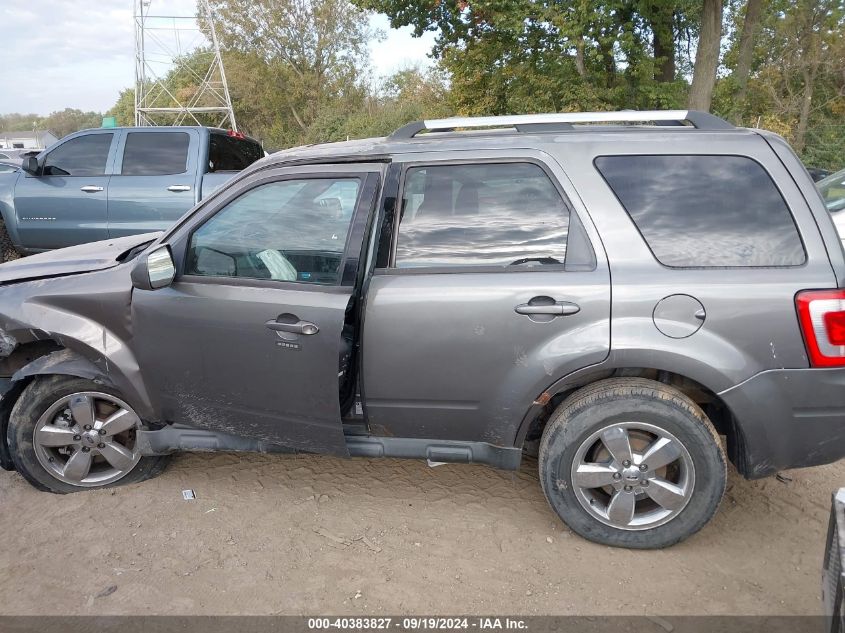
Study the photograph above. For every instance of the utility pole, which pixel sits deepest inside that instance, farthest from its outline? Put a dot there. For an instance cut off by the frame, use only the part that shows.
(170, 44)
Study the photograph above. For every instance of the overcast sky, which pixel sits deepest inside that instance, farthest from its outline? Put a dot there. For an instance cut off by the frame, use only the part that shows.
(57, 54)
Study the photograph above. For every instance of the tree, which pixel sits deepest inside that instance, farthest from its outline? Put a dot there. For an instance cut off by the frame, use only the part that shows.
(124, 110)
(528, 55)
(315, 52)
(706, 56)
(753, 11)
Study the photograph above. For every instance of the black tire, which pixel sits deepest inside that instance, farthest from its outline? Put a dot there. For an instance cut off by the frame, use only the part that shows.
(39, 396)
(634, 400)
(7, 249)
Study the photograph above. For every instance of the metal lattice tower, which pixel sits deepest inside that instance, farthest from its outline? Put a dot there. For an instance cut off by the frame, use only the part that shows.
(168, 45)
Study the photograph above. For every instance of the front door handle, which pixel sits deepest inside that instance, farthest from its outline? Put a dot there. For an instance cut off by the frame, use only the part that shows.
(558, 308)
(91, 189)
(300, 327)
(177, 188)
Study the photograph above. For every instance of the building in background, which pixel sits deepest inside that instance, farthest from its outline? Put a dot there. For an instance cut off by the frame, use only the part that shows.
(38, 139)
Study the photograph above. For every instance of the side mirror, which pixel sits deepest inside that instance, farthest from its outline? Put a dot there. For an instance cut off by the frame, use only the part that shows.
(154, 270)
(30, 165)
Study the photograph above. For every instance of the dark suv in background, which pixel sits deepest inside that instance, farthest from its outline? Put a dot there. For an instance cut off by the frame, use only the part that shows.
(611, 292)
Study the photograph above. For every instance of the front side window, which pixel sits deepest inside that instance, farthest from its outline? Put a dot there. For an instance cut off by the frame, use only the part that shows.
(496, 214)
(290, 230)
(81, 156)
(705, 211)
(155, 153)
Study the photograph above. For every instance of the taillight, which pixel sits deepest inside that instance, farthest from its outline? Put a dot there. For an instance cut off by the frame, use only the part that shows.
(822, 317)
(237, 135)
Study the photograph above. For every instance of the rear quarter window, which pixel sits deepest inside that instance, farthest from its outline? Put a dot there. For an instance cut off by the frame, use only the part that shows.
(230, 153)
(705, 211)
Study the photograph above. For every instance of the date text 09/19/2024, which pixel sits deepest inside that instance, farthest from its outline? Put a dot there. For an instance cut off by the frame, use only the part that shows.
(417, 623)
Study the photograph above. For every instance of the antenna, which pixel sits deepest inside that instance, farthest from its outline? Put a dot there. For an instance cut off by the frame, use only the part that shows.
(177, 44)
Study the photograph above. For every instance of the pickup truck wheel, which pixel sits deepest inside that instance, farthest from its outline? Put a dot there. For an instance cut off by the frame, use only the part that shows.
(7, 249)
(67, 434)
(630, 462)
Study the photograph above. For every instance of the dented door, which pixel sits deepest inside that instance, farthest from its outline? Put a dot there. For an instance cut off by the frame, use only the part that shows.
(247, 340)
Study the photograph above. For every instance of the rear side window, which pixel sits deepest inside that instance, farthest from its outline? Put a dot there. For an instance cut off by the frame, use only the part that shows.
(705, 211)
(496, 214)
(155, 153)
(80, 156)
(230, 153)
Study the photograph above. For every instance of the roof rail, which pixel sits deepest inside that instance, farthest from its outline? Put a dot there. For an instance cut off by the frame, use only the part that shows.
(564, 120)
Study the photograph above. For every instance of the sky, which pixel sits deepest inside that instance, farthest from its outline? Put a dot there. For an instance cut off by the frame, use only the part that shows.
(58, 54)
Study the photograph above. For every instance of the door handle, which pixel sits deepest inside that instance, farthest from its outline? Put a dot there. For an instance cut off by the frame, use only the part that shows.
(558, 308)
(176, 188)
(91, 189)
(300, 327)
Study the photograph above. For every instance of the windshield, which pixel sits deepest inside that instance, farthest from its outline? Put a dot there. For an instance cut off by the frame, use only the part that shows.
(832, 189)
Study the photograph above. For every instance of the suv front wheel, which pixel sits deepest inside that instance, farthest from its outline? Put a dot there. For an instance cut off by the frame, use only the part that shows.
(67, 434)
(631, 462)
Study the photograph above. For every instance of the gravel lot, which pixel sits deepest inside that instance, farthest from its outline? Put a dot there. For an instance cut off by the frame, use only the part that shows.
(284, 534)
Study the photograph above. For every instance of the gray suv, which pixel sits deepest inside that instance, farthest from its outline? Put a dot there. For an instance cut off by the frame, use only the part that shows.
(613, 293)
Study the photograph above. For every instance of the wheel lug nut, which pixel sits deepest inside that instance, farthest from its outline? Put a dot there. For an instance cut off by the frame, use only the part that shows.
(87, 427)
(626, 463)
(617, 475)
(76, 438)
(628, 488)
(102, 431)
(643, 467)
(85, 449)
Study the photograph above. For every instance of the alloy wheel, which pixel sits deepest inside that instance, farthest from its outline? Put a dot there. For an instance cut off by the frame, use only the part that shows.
(633, 475)
(87, 439)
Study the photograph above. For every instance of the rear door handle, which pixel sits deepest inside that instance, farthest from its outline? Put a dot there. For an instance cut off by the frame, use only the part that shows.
(559, 308)
(177, 188)
(300, 327)
(91, 189)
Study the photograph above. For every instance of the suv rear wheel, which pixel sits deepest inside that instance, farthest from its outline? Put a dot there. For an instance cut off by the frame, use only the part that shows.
(67, 434)
(630, 462)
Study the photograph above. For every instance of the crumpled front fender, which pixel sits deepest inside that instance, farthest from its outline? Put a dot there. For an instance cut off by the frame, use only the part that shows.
(65, 362)
(87, 315)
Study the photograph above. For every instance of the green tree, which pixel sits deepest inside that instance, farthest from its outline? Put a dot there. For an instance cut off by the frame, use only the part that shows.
(527, 56)
(316, 52)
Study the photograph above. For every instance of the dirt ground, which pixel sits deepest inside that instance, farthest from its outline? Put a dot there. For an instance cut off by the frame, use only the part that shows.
(284, 534)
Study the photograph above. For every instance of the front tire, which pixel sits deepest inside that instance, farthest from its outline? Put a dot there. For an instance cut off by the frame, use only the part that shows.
(68, 434)
(630, 462)
(8, 252)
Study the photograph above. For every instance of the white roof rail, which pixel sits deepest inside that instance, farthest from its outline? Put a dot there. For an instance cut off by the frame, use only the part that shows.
(699, 120)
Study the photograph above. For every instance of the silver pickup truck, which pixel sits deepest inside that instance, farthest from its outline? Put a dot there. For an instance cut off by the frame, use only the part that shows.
(105, 183)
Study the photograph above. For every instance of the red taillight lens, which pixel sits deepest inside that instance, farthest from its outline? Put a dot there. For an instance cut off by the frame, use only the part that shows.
(237, 135)
(834, 324)
(822, 317)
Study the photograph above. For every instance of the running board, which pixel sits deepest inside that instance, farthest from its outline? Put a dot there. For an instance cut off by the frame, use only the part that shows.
(435, 451)
(175, 438)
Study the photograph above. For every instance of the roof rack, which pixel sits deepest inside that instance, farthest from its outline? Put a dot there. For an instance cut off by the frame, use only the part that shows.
(563, 121)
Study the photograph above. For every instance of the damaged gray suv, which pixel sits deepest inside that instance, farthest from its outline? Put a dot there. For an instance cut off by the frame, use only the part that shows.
(631, 297)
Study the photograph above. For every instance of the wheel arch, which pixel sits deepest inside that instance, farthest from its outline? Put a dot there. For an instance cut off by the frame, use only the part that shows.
(532, 425)
(48, 358)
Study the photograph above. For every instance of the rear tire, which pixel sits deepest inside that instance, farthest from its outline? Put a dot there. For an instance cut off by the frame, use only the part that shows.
(68, 434)
(594, 471)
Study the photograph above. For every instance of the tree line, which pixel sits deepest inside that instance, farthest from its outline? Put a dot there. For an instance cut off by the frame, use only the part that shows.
(299, 70)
